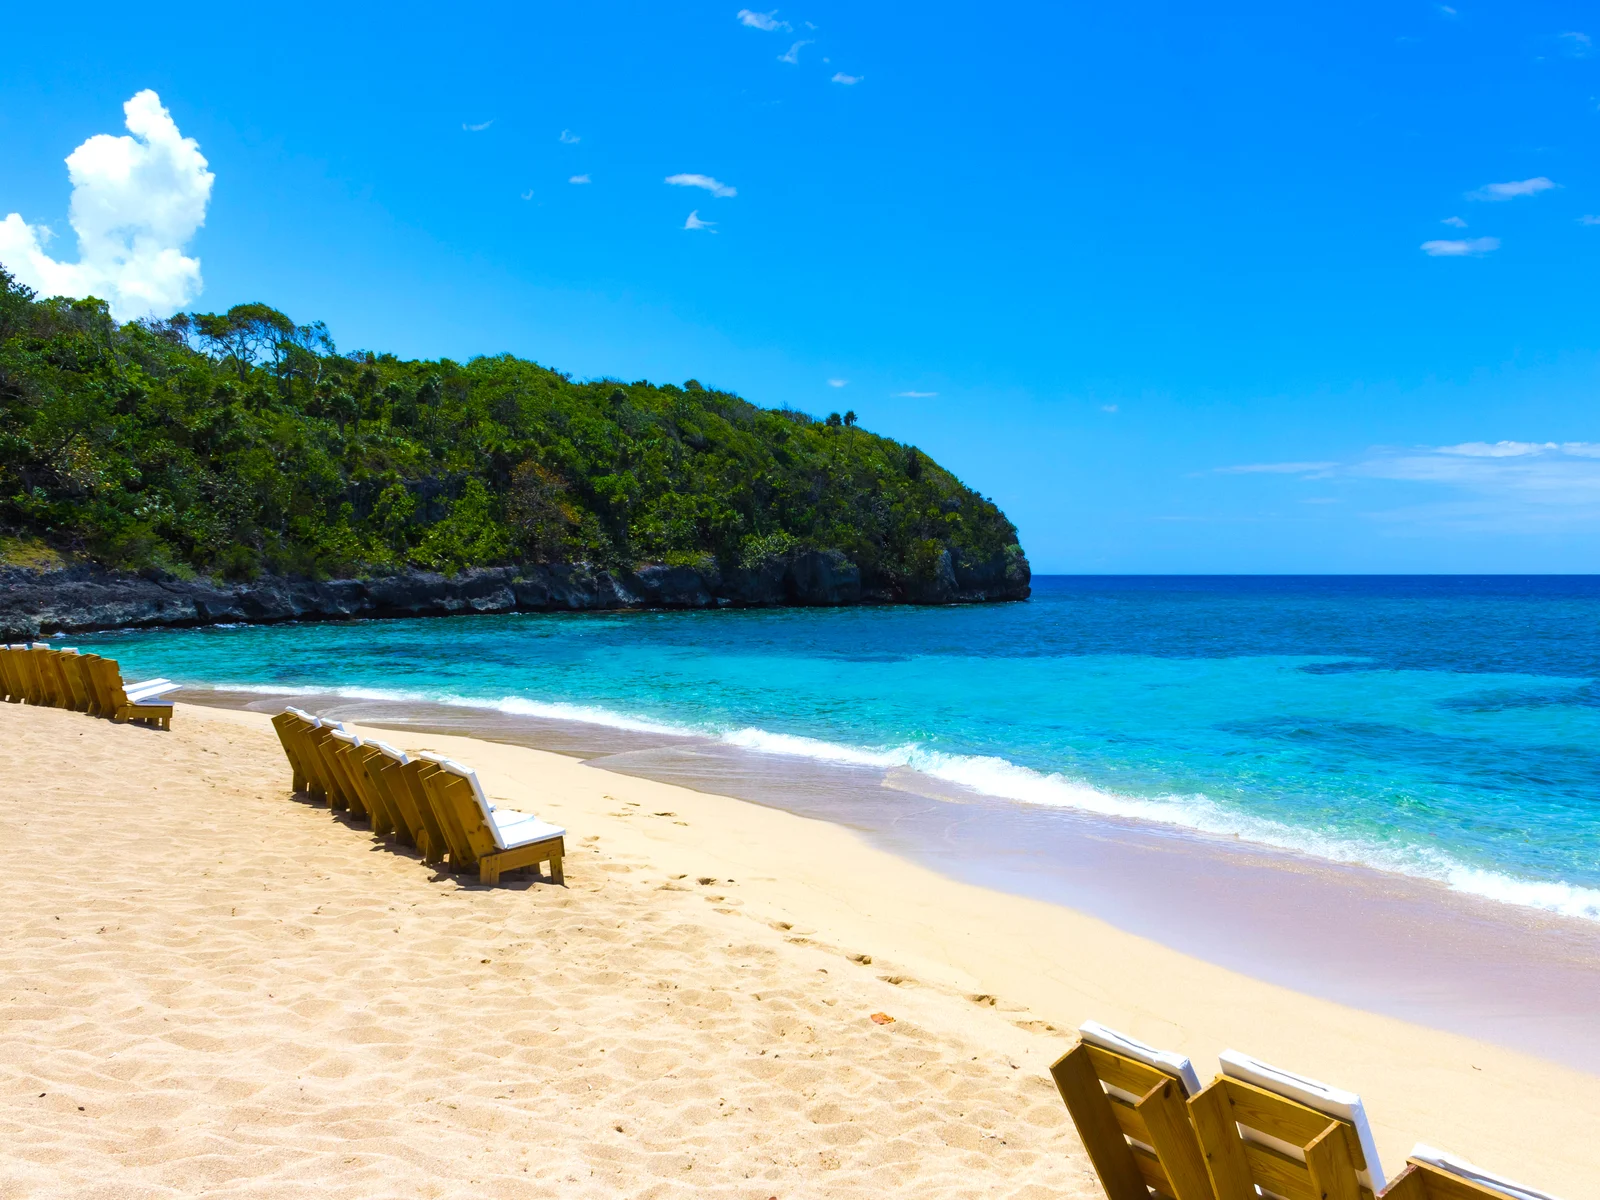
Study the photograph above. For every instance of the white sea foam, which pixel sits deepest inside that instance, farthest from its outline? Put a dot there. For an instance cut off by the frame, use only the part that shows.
(1003, 779)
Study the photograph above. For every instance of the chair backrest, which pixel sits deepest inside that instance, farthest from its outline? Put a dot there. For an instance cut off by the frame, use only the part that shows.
(109, 675)
(430, 835)
(1331, 1101)
(72, 669)
(10, 684)
(1128, 1104)
(1256, 1136)
(1432, 1174)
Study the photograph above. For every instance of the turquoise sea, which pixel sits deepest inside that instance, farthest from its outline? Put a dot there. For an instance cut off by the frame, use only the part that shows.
(1442, 727)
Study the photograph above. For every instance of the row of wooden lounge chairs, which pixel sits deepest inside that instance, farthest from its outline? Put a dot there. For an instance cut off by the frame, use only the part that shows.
(427, 801)
(39, 674)
(1255, 1131)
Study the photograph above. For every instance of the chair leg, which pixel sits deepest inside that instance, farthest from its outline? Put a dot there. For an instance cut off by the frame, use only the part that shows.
(488, 870)
(555, 870)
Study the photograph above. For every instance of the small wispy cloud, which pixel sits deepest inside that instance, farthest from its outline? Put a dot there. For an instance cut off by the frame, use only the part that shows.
(1278, 468)
(847, 80)
(916, 395)
(580, 179)
(715, 186)
(1513, 189)
(837, 382)
(1108, 408)
(570, 138)
(1462, 248)
(1455, 221)
(1446, 9)
(1577, 44)
(477, 128)
(528, 195)
(1589, 219)
(694, 222)
(767, 21)
(792, 55)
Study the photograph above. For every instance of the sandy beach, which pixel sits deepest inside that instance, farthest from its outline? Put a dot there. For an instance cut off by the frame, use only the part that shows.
(212, 988)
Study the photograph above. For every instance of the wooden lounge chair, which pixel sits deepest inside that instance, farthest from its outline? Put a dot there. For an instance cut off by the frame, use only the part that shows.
(52, 687)
(402, 805)
(482, 835)
(1434, 1175)
(1129, 1102)
(319, 737)
(338, 749)
(140, 706)
(287, 726)
(1262, 1127)
(10, 675)
(409, 780)
(71, 665)
(388, 815)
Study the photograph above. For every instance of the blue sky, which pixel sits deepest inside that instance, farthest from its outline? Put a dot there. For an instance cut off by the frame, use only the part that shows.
(1151, 276)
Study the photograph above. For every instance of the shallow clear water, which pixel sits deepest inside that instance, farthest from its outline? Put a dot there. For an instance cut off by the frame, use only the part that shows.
(1443, 727)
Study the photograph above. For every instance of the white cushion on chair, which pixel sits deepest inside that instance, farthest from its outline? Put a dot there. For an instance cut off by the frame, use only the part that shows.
(1120, 1043)
(1461, 1168)
(1332, 1101)
(344, 736)
(389, 751)
(513, 829)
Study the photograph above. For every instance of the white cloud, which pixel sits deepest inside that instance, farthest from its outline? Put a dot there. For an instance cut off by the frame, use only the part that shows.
(1455, 221)
(767, 21)
(1589, 220)
(1520, 474)
(1280, 468)
(580, 179)
(1108, 408)
(1578, 44)
(847, 80)
(136, 202)
(1469, 247)
(570, 138)
(694, 222)
(1447, 10)
(528, 195)
(793, 53)
(477, 128)
(916, 395)
(1510, 191)
(837, 382)
(715, 186)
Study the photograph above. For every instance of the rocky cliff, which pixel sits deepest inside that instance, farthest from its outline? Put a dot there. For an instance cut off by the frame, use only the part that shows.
(82, 597)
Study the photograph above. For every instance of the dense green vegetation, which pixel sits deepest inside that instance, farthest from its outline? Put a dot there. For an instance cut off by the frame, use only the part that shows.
(231, 444)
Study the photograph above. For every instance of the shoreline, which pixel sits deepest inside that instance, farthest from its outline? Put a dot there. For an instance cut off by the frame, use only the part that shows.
(704, 947)
(1400, 947)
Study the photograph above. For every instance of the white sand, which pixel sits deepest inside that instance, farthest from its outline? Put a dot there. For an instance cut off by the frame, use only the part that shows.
(212, 989)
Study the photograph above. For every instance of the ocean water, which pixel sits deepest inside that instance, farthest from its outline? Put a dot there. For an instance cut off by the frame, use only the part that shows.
(1442, 727)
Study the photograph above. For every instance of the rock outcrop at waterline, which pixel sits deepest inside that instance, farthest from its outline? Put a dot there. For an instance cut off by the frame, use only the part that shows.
(83, 597)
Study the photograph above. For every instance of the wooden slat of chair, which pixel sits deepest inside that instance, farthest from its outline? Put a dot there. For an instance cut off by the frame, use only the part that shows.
(359, 760)
(1170, 1163)
(385, 773)
(1424, 1181)
(72, 669)
(350, 760)
(430, 837)
(318, 786)
(99, 703)
(51, 685)
(354, 790)
(444, 800)
(9, 683)
(1237, 1166)
(322, 742)
(285, 725)
(33, 679)
(61, 686)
